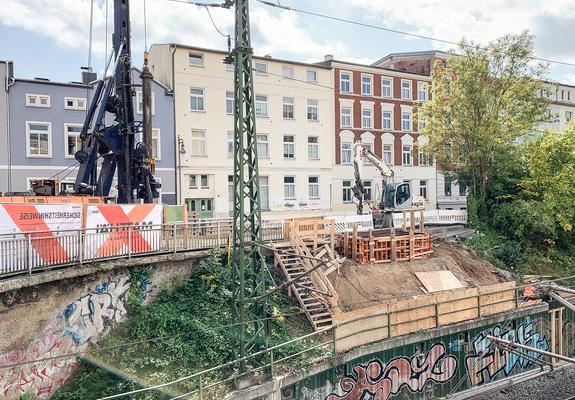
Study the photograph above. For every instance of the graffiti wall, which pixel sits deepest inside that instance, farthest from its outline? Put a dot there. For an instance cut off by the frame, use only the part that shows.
(73, 327)
(437, 367)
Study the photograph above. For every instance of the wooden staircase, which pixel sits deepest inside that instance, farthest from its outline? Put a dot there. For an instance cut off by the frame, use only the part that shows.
(314, 291)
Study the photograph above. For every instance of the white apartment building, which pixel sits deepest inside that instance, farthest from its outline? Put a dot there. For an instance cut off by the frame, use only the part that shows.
(561, 106)
(294, 127)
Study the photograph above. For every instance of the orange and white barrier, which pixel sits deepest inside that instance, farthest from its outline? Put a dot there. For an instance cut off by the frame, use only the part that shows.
(38, 233)
(116, 230)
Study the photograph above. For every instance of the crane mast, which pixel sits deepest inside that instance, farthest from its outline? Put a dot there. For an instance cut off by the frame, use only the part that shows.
(116, 144)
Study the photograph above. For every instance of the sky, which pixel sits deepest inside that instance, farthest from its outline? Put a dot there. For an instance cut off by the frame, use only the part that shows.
(50, 38)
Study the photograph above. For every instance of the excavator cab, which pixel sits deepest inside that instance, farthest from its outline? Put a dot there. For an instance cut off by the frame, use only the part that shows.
(396, 196)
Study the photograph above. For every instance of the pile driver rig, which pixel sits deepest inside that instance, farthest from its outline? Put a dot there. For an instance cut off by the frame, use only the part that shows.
(115, 144)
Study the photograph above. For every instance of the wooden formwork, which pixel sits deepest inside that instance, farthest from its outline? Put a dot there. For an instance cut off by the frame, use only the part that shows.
(380, 246)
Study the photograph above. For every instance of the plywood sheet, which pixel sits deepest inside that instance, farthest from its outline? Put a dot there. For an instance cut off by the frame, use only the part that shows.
(436, 281)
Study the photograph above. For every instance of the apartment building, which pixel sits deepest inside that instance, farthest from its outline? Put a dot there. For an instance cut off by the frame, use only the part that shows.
(561, 106)
(378, 106)
(294, 127)
(42, 121)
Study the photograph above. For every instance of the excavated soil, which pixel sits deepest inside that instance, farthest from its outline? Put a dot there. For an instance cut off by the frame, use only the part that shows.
(364, 285)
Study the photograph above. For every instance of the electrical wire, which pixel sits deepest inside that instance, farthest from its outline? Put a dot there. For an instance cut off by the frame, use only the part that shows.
(396, 31)
(214, 24)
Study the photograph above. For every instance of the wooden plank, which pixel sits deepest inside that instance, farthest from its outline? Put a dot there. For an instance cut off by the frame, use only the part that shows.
(435, 281)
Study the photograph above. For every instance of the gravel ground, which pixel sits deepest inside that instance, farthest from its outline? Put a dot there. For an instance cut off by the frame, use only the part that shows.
(557, 385)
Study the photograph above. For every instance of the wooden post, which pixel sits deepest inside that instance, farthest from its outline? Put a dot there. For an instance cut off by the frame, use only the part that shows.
(422, 221)
(411, 245)
(553, 340)
(412, 220)
(346, 244)
(314, 236)
(403, 222)
(392, 239)
(560, 333)
(371, 246)
(354, 243)
(332, 234)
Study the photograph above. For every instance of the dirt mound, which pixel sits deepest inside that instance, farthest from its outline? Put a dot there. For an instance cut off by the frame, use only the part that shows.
(364, 285)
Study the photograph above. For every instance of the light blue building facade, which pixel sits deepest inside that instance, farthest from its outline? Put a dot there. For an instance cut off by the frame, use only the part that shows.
(41, 121)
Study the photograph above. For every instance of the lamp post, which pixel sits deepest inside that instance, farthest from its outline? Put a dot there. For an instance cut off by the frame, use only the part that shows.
(181, 150)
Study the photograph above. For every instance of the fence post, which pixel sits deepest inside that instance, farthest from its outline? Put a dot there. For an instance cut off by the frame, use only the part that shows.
(437, 315)
(175, 247)
(218, 230)
(80, 247)
(272, 363)
(29, 252)
(334, 331)
(200, 389)
(129, 242)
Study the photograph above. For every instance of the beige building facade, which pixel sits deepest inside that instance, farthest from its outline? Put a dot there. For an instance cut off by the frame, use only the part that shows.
(294, 126)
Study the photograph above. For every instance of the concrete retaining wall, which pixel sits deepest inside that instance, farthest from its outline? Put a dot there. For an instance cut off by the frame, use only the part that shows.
(64, 316)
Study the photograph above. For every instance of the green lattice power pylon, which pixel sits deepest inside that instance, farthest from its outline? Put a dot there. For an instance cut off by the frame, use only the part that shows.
(249, 269)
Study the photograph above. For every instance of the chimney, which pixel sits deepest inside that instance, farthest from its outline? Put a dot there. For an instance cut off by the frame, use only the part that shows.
(268, 56)
(328, 57)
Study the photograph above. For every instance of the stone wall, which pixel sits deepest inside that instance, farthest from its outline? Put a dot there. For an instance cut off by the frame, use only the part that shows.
(65, 316)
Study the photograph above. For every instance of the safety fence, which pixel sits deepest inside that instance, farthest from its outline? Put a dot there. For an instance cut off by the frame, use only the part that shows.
(432, 217)
(29, 252)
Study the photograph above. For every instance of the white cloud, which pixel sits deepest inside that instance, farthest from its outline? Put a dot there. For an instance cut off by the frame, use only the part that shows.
(66, 22)
(481, 21)
(569, 78)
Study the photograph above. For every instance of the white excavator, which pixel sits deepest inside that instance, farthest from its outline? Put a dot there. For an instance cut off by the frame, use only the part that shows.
(394, 196)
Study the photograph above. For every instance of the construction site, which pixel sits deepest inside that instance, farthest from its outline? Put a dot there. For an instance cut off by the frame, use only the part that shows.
(108, 293)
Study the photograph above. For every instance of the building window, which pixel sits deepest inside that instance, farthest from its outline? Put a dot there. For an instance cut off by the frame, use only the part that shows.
(368, 147)
(261, 106)
(422, 91)
(367, 194)
(447, 187)
(140, 103)
(230, 100)
(366, 118)
(72, 138)
(313, 187)
(156, 144)
(198, 143)
(264, 193)
(288, 107)
(406, 90)
(313, 147)
(346, 117)
(263, 146)
(346, 153)
(289, 146)
(568, 115)
(39, 139)
(289, 187)
(422, 123)
(406, 154)
(386, 120)
(261, 68)
(345, 82)
(388, 153)
(193, 182)
(366, 81)
(197, 100)
(287, 72)
(462, 189)
(37, 100)
(311, 75)
(386, 87)
(423, 189)
(196, 59)
(423, 158)
(562, 94)
(204, 182)
(230, 144)
(75, 103)
(347, 197)
(312, 110)
(406, 121)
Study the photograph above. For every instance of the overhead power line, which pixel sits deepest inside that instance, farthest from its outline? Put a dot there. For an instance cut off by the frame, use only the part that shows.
(397, 31)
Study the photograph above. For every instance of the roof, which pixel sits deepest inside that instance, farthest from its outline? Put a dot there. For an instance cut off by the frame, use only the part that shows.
(406, 54)
(204, 49)
(372, 66)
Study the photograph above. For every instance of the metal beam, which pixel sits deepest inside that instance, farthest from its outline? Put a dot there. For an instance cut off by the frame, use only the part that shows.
(561, 300)
(529, 348)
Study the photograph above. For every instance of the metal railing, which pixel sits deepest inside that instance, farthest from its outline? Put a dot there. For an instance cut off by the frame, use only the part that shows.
(28, 252)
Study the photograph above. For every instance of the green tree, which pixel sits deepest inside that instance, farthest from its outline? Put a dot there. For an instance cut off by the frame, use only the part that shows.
(483, 100)
(551, 175)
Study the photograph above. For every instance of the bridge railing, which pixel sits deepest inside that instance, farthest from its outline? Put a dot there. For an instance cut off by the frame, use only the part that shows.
(28, 252)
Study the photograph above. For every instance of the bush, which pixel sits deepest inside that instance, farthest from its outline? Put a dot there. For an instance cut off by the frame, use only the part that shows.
(527, 222)
(510, 254)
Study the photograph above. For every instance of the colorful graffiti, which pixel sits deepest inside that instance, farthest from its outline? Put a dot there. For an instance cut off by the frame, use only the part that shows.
(379, 381)
(81, 322)
(488, 360)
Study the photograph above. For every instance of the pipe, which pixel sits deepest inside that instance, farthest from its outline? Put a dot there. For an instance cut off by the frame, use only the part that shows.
(7, 84)
(561, 300)
(533, 349)
(146, 77)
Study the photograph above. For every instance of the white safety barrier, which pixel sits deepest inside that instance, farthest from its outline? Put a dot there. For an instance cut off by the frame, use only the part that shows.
(345, 223)
(433, 217)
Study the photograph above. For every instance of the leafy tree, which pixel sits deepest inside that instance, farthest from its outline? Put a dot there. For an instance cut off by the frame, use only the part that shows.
(483, 100)
(551, 175)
